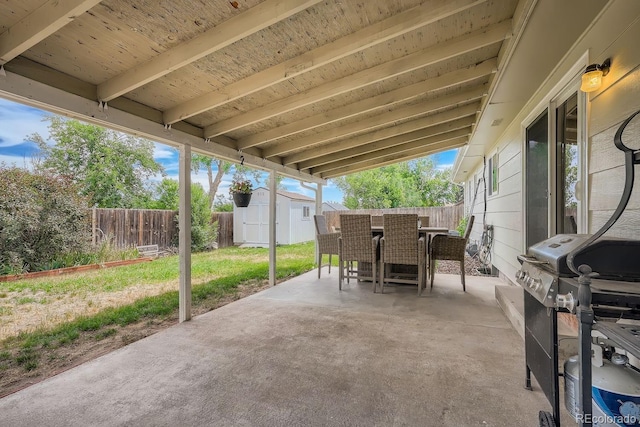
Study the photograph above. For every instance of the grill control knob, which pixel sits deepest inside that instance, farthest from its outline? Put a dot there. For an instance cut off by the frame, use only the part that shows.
(566, 301)
(520, 275)
(528, 281)
(535, 284)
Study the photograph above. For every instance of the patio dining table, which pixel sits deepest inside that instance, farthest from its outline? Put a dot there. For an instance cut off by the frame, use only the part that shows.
(422, 231)
(365, 267)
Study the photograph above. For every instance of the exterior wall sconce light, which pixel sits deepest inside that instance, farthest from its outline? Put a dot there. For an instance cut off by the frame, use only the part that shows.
(592, 77)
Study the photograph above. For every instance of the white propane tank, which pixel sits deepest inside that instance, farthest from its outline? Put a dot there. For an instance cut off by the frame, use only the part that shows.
(615, 390)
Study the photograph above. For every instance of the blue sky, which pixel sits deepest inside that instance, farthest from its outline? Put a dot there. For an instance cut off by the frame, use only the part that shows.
(18, 121)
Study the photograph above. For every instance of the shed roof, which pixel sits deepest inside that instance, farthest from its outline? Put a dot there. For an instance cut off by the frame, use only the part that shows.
(290, 195)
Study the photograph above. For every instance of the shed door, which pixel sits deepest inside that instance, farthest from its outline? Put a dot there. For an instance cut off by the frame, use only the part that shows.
(256, 223)
(251, 223)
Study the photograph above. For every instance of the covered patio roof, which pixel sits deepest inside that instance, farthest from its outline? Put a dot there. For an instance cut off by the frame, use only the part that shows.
(311, 89)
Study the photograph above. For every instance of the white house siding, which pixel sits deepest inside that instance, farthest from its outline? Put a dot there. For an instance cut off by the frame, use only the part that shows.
(608, 109)
(614, 35)
(504, 209)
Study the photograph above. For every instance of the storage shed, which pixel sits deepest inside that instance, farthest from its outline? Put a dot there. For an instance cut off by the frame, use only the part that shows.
(294, 219)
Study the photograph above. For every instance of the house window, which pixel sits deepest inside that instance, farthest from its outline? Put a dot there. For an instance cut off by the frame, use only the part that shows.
(306, 212)
(493, 175)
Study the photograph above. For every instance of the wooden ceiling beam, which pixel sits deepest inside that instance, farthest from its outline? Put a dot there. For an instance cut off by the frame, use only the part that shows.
(398, 157)
(434, 54)
(309, 158)
(372, 35)
(40, 24)
(313, 157)
(376, 145)
(253, 20)
(385, 100)
(396, 149)
(384, 119)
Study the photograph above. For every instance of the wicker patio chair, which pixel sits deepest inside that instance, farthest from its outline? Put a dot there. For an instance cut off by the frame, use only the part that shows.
(401, 246)
(357, 249)
(449, 248)
(376, 220)
(327, 242)
(424, 221)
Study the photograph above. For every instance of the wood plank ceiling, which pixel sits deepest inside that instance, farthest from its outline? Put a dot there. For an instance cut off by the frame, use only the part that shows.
(326, 88)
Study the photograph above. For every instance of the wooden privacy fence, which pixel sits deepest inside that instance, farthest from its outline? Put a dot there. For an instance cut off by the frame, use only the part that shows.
(440, 216)
(225, 228)
(139, 227)
(134, 227)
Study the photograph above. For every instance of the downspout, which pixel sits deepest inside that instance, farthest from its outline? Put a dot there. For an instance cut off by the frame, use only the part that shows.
(318, 197)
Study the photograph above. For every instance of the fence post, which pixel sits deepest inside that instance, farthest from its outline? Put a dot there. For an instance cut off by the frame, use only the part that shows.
(141, 228)
(94, 220)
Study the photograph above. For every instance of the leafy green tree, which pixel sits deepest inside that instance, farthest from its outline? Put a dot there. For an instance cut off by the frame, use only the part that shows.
(222, 204)
(109, 167)
(198, 161)
(166, 195)
(42, 217)
(435, 186)
(407, 184)
(203, 232)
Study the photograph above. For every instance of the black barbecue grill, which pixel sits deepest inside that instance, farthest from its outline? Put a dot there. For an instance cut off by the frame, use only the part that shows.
(594, 278)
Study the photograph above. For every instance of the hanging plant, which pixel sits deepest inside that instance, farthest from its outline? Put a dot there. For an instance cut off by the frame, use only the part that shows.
(241, 192)
(243, 187)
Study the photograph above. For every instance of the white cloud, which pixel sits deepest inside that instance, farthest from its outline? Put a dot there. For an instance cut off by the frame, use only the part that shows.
(295, 187)
(443, 166)
(164, 152)
(19, 121)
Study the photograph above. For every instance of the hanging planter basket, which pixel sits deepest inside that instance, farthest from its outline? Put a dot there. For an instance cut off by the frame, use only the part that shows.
(241, 199)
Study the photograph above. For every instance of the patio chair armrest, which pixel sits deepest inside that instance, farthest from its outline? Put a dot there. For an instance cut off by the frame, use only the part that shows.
(447, 246)
(422, 246)
(328, 243)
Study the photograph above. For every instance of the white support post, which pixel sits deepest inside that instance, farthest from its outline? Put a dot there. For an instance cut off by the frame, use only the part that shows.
(272, 227)
(185, 233)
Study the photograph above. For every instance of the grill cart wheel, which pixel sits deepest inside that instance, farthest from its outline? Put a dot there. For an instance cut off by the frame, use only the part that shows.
(546, 419)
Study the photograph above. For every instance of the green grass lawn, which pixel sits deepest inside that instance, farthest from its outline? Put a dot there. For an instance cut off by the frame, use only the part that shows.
(232, 261)
(215, 275)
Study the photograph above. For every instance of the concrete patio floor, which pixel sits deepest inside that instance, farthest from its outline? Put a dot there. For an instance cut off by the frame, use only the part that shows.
(305, 354)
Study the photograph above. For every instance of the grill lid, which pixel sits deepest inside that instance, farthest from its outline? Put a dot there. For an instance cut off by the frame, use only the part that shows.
(554, 250)
(611, 258)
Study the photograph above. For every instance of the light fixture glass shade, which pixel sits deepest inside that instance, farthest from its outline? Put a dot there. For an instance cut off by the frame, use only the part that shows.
(591, 80)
